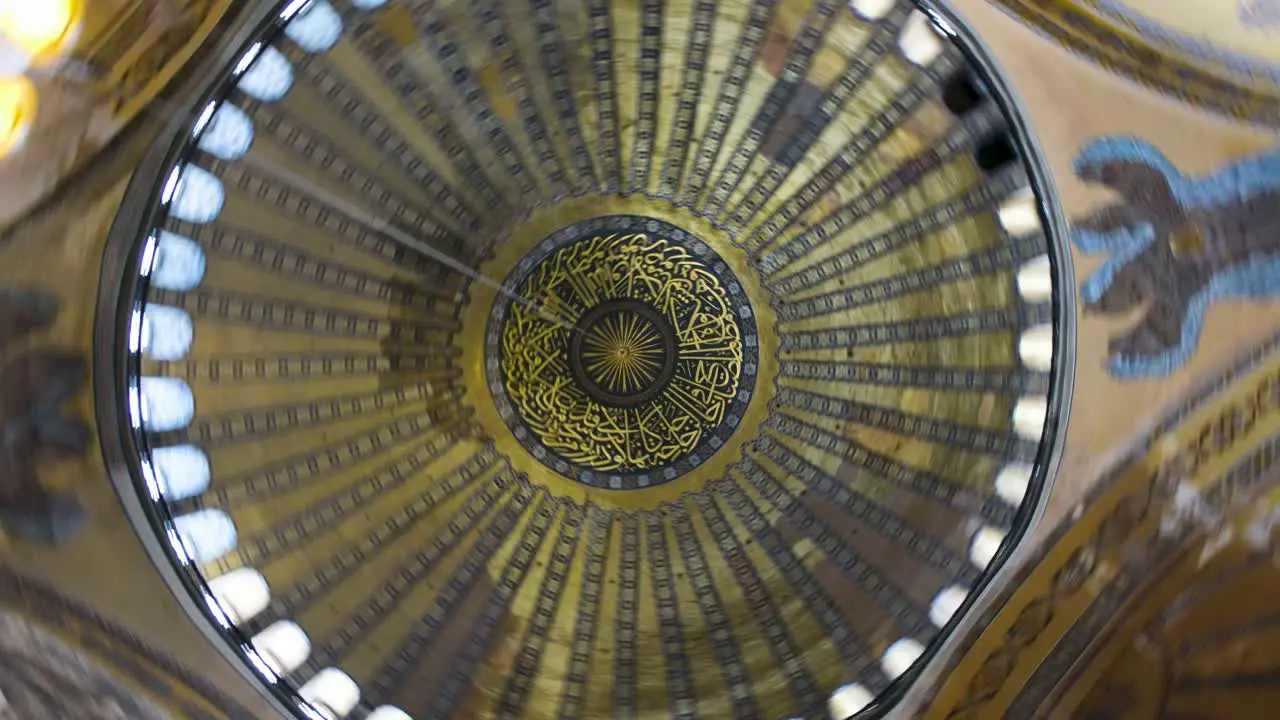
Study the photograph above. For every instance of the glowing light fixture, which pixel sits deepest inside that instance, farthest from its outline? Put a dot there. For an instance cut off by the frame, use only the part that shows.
(36, 31)
(17, 110)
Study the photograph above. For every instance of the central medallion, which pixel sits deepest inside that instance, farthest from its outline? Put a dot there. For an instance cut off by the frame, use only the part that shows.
(622, 353)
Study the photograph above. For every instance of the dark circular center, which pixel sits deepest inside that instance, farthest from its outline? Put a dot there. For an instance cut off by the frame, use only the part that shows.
(623, 352)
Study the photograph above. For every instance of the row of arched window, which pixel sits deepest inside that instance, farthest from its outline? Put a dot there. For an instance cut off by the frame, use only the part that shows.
(921, 42)
(283, 646)
(161, 404)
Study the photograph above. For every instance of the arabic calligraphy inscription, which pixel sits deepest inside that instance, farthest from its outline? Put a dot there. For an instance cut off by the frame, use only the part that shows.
(650, 365)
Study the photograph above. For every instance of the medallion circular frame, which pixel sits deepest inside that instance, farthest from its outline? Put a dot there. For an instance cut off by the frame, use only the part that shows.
(712, 439)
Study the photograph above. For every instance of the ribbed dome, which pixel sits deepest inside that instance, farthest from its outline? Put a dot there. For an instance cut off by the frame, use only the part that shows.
(602, 359)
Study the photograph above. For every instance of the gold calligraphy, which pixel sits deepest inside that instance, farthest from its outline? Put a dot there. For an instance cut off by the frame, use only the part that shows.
(622, 353)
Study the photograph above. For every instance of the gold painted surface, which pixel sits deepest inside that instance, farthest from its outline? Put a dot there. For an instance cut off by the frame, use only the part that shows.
(1199, 637)
(1144, 605)
(91, 565)
(47, 677)
(622, 352)
(475, 318)
(1221, 589)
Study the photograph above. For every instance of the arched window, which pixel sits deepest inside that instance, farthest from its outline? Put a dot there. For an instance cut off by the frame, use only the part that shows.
(900, 657)
(198, 197)
(1019, 214)
(387, 712)
(1035, 347)
(269, 77)
(179, 262)
(946, 604)
(984, 546)
(919, 41)
(1012, 482)
(962, 93)
(995, 153)
(182, 471)
(229, 133)
(167, 403)
(1035, 280)
(166, 332)
(873, 9)
(241, 593)
(283, 646)
(1029, 416)
(206, 534)
(316, 28)
(332, 693)
(849, 700)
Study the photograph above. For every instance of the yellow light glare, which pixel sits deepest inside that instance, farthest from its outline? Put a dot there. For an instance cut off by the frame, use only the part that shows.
(42, 28)
(17, 110)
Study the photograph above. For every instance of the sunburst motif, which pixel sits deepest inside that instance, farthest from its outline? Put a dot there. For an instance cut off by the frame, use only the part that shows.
(623, 353)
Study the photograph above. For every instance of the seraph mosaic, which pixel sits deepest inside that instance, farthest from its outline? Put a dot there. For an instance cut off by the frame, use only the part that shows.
(1173, 246)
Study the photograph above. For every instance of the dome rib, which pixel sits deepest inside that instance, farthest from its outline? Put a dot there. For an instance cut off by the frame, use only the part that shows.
(807, 244)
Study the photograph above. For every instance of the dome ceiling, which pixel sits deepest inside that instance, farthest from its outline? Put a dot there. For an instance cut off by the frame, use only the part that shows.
(590, 359)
